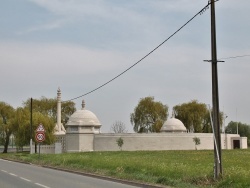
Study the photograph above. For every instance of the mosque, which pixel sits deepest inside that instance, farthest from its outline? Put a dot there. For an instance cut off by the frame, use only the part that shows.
(82, 133)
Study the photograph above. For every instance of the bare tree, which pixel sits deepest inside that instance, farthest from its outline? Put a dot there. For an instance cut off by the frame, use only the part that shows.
(118, 127)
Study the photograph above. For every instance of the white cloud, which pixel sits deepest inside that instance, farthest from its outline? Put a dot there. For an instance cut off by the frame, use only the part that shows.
(79, 9)
(143, 16)
(58, 56)
(175, 73)
(43, 27)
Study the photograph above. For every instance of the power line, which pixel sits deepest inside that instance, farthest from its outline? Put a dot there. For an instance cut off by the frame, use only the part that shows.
(233, 57)
(144, 57)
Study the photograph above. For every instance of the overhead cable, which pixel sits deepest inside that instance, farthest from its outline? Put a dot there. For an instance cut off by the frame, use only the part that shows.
(199, 13)
(233, 57)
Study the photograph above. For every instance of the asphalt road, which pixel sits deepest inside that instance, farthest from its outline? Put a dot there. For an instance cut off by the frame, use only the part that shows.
(19, 175)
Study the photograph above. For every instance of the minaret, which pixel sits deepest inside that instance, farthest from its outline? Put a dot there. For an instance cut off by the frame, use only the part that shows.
(58, 117)
(59, 129)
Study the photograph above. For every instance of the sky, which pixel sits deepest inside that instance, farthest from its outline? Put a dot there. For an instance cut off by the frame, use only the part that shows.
(78, 45)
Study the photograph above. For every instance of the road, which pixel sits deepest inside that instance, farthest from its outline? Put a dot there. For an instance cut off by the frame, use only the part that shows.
(19, 175)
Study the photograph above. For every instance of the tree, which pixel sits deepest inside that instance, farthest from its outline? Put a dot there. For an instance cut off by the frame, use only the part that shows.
(148, 115)
(22, 126)
(6, 124)
(49, 125)
(44, 112)
(207, 126)
(196, 141)
(191, 114)
(118, 127)
(195, 116)
(243, 130)
(119, 142)
(48, 107)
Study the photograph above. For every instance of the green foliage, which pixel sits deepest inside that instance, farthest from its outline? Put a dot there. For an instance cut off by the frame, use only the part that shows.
(197, 142)
(195, 116)
(180, 169)
(18, 121)
(243, 130)
(148, 115)
(44, 112)
(48, 123)
(191, 114)
(22, 125)
(207, 126)
(6, 124)
(48, 107)
(119, 142)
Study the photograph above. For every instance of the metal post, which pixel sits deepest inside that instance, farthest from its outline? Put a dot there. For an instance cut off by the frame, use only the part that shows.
(215, 142)
(215, 95)
(31, 126)
(224, 122)
(237, 125)
(39, 151)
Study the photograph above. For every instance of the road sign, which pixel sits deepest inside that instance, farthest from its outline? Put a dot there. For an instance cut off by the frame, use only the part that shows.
(40, 137)
(40, 128)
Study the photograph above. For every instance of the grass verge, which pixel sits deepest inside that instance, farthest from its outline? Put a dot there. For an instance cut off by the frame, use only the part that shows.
(170, 168)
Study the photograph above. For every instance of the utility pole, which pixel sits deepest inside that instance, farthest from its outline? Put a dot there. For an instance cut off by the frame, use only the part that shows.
(31, 126)
(215, 96)
(237, 127)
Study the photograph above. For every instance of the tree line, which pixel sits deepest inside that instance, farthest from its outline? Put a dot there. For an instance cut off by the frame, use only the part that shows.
(242, 129)
(150, 115)
(18, 121)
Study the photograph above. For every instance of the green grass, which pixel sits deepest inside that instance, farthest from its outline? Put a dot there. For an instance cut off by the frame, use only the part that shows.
(172, 168)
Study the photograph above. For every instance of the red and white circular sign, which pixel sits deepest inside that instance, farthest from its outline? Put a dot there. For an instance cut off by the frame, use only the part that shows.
(40, 137)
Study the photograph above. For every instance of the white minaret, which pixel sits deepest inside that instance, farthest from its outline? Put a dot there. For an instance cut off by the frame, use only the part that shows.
(58, 117)
(59, 129)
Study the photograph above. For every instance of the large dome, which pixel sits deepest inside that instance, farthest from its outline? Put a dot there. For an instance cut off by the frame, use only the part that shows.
(83, 117)
(173, 125)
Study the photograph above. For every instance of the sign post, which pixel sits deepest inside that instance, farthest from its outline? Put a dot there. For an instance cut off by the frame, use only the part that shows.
(31, 151)
(40, 135)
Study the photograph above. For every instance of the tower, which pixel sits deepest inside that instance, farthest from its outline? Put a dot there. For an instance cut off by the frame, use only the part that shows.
(59, 128)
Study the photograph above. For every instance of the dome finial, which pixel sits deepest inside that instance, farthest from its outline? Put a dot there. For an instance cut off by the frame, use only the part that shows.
(83, 104)
(173, 114)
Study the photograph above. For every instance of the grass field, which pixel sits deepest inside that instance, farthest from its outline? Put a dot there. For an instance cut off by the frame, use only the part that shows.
(172, 168)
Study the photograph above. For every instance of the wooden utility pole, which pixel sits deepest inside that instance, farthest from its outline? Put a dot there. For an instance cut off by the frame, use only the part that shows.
(215, 96)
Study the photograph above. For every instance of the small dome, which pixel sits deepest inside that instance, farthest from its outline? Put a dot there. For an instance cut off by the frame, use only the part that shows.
(83, 118)
(173, 125)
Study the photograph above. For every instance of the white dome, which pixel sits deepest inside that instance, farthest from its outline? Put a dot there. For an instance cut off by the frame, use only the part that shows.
(173, 125)
(83, 118)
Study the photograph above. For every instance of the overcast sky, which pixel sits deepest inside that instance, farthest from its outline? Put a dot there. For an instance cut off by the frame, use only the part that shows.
(78, 45)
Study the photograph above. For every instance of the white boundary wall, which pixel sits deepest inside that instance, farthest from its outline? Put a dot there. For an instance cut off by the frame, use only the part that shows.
(135, 142)
(163, 141)
(56, 148)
